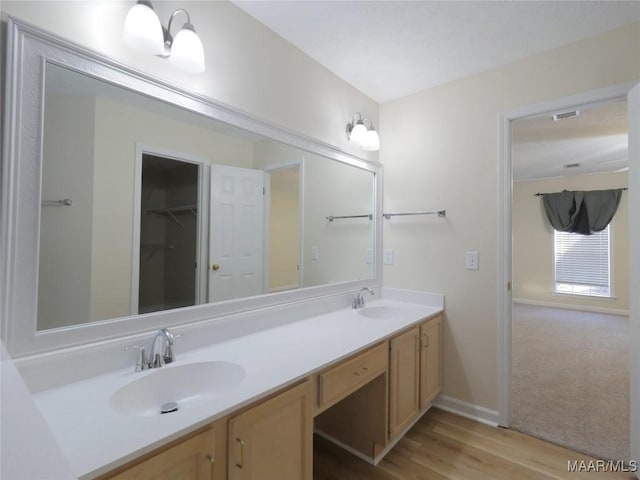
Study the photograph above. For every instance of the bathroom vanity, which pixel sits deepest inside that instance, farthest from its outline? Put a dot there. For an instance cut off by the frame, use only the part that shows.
(360, 378)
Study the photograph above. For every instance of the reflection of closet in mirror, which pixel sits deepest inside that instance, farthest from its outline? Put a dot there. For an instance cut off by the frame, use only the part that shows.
(284, 228)
(168, 234)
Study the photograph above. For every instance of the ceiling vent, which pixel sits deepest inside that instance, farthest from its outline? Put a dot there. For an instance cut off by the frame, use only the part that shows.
(563, 116)
(571, 165)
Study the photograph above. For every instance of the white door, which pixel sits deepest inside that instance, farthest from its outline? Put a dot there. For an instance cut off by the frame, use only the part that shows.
(236, 228)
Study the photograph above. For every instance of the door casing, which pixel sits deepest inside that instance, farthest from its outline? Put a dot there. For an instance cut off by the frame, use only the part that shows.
(630, 92)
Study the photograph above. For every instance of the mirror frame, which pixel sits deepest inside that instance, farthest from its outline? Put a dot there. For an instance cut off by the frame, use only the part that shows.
(29, 49)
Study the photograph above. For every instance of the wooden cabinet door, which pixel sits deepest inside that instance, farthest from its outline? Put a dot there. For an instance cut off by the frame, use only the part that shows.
(190, 459)
(273, 440)
(430, 362)
(404, 378)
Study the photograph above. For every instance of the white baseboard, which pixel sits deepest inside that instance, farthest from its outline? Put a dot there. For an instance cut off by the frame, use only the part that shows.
(582, 308)
(466, 409)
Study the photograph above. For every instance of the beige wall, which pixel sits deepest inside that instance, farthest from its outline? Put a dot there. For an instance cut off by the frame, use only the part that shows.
(336, 189)
(440, 149)
(248, 66)
(329, 188)
(65, 232)
(533, 243)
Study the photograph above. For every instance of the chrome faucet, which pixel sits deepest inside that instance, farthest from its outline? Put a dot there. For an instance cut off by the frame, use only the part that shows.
(358, 301)
(162, 349)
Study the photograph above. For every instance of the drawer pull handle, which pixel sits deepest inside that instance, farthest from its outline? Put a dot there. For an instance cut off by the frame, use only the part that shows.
(362, 371)
(241, 442)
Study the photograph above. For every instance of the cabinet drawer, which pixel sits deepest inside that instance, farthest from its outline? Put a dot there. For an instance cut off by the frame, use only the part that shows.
(347, 377)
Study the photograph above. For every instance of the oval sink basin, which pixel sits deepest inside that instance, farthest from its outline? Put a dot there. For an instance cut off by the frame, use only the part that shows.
(187, 385)
(381, 311)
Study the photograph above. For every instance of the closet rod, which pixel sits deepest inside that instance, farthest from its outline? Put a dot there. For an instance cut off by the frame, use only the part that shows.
(331, 218)
(541, 194)
(58, 203)
(440, 213)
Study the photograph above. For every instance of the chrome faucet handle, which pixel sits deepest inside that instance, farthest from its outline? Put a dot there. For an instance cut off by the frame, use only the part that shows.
(158, 361)
(143, 362)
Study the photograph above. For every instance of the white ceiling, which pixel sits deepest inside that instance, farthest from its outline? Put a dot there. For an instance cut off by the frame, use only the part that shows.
(390, 49)
(596, 140)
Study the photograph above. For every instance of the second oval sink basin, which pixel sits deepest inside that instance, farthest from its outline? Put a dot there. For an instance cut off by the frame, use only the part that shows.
(187, 385)
(381, 311)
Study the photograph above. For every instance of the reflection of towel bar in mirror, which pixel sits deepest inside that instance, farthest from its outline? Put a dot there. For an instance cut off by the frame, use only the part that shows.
(57, 203)
(331, 218)
(440, 213)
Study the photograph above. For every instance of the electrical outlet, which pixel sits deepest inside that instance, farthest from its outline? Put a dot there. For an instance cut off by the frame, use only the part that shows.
(388, 256)
(369, 256)
(315, 253)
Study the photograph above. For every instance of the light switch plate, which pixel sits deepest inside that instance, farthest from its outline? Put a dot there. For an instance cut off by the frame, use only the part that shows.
(369, 256)
(388, 256)
(315, 253)
(471, 260)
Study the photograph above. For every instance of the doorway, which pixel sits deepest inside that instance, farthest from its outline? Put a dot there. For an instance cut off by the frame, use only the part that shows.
(505, 243)
(570, 322)
(168, 225)
(168, 234)
(284, 218)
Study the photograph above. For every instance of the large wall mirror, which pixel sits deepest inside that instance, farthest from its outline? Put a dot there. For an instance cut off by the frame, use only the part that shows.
(130, 204)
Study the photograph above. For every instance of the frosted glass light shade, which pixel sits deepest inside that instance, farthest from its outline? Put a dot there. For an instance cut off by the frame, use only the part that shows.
(371, 141)
(142, 30)
(187, 52)
(358, 133)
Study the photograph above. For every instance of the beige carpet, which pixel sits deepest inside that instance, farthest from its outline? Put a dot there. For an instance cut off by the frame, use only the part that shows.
(570, 379)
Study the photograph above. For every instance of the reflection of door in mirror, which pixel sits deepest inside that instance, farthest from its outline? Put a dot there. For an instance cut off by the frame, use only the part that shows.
(236, 233)
(168, 234)
(284, 198)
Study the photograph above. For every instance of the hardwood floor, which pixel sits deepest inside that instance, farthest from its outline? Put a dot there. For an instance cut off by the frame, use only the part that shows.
(445, 446)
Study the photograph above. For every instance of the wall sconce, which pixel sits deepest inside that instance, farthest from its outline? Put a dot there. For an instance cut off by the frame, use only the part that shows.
(359, 134)
(144, 32)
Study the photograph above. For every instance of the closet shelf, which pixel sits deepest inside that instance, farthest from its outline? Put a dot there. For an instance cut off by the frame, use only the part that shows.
(174, 212)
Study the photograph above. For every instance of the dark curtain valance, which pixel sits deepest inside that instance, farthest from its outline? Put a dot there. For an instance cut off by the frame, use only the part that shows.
(581, 212)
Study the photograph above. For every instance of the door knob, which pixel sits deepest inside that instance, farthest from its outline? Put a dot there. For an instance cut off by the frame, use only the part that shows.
(215, 267)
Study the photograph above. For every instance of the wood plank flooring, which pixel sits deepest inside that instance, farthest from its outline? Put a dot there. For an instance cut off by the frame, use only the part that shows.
(444, 446)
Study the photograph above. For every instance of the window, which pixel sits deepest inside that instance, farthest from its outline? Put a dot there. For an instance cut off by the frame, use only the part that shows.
(582, 263)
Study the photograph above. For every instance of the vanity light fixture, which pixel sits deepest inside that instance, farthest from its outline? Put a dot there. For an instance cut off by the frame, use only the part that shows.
(359, 134)
(144, 32)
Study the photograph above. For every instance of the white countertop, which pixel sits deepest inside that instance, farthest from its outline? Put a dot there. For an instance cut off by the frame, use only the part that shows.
(96, 439)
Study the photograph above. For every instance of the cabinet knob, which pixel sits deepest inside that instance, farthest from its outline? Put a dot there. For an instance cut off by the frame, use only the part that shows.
(210, 458)
(215, 267)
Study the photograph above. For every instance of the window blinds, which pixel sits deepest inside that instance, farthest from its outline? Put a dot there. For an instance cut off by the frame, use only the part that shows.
(583, 260)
